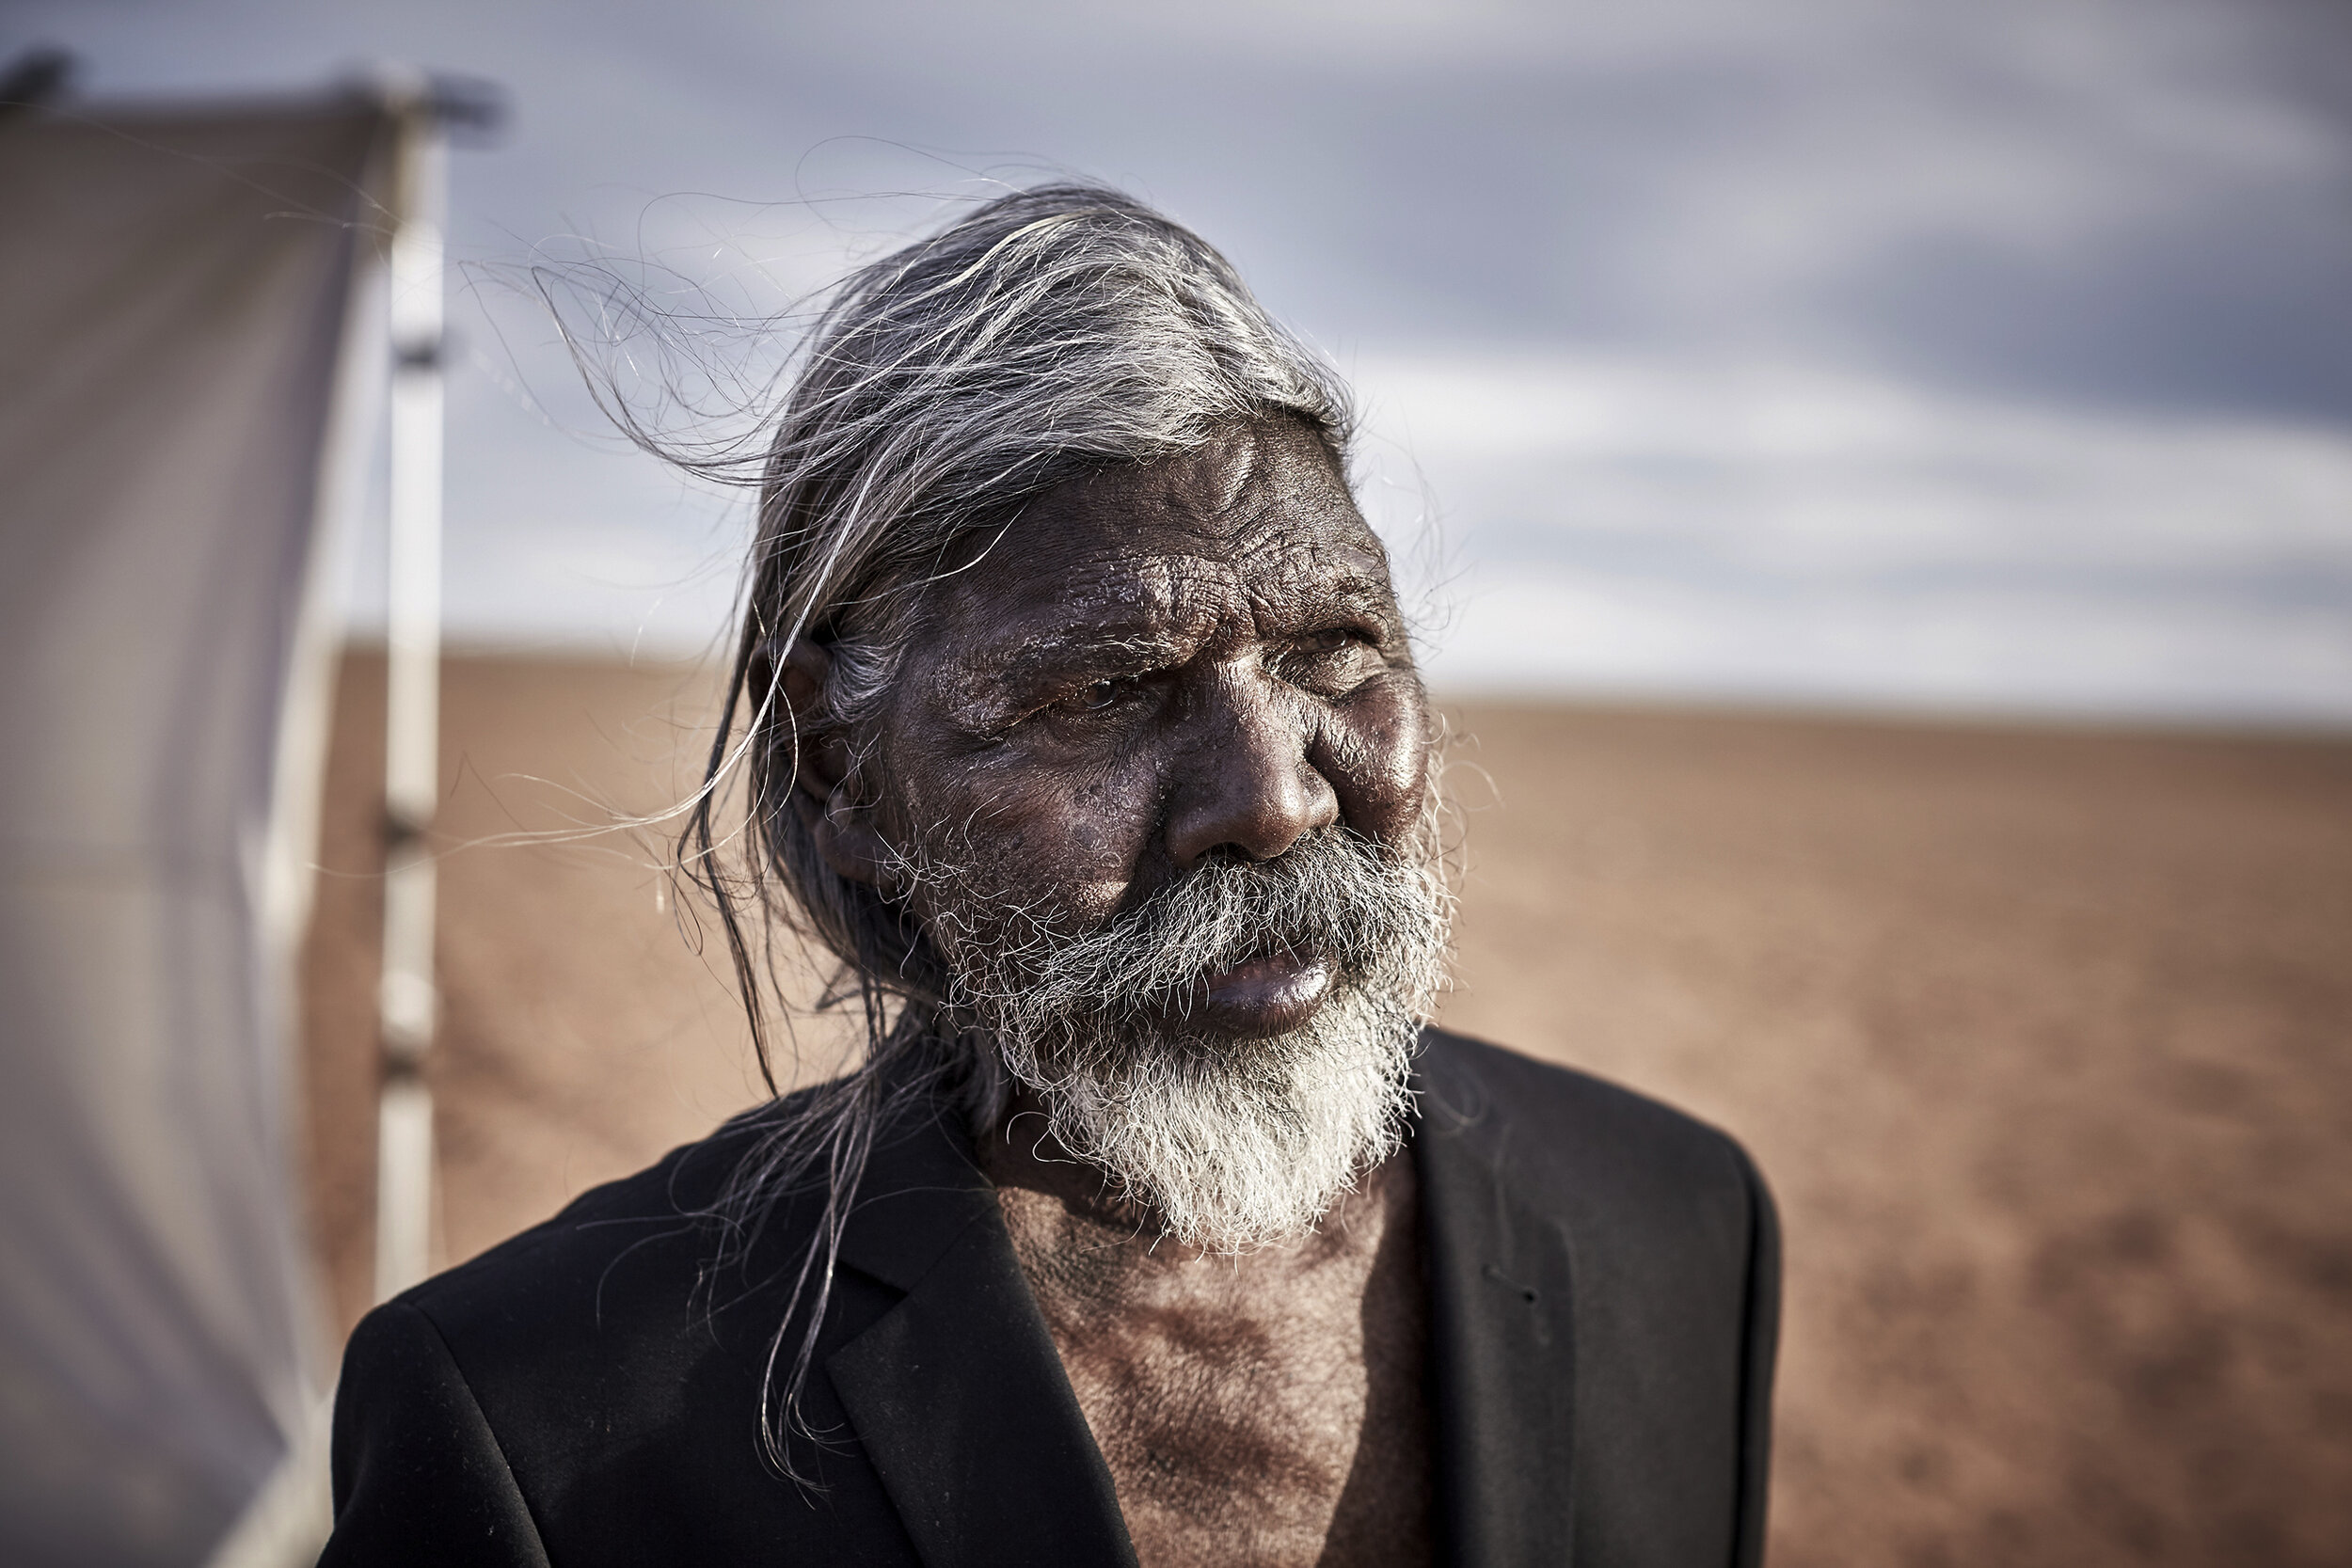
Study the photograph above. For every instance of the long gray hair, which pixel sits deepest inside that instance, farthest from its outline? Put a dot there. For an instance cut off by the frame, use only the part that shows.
(1044, 334)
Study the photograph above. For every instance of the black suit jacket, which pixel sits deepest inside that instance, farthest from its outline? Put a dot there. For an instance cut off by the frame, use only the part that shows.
(1604, 1286)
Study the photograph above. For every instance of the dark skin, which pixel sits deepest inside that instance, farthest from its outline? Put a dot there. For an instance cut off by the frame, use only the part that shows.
(1201, 657)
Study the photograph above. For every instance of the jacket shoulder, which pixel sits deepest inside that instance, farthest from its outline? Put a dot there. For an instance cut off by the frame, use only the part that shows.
(417, 1474)
(1675, 1278)
(1582, 1140)
(604, 1375)
(655, 1213)
(614, 1271)
(573, 1327)
(1471, 1080)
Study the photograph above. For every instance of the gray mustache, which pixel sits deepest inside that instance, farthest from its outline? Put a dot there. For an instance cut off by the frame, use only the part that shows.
(1335, 895)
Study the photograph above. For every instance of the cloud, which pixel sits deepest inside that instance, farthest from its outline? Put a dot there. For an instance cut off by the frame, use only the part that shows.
(1981, 651)
(1820, 346)
(1770, 531)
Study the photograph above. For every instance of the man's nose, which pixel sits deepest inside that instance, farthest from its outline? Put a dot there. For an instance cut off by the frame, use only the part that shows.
(1247, 784)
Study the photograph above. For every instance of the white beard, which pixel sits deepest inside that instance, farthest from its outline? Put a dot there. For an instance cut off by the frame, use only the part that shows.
(1230, 1144)
(1231, 1156)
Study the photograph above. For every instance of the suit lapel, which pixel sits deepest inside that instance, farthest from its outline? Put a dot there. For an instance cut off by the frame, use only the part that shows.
(1501, 1333)
(958, 1393)
(960, 1399)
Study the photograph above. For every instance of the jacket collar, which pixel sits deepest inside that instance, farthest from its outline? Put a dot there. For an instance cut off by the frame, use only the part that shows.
(959, 1399)
(958, 1393)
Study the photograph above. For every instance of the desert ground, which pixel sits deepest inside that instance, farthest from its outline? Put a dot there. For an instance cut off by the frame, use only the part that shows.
(2043, 1038)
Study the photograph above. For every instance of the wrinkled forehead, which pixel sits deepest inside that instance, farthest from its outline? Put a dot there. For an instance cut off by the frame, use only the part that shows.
(1247, 483)
(1258, 522)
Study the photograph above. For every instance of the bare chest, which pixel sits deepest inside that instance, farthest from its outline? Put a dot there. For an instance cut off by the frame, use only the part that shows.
(1262, 1410)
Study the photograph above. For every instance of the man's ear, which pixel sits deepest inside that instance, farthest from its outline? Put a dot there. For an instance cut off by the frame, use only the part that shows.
(844, 832)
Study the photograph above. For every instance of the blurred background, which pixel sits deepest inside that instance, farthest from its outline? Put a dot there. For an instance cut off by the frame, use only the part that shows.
(1877, 481)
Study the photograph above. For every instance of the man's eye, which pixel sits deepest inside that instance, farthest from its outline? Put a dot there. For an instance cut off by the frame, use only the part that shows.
(1328, 661)
(1100, 694)
(1332, 650)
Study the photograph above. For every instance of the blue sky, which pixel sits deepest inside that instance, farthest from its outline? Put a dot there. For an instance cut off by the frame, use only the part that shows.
(1985, 358)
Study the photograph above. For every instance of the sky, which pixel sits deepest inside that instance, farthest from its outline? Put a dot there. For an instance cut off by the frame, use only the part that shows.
(1992, 359)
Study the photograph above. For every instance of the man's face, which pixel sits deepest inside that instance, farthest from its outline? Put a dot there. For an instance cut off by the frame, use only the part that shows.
(1159, 667)
(1155, 778)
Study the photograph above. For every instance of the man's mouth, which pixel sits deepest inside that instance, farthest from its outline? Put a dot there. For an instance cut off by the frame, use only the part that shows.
(1261, 996)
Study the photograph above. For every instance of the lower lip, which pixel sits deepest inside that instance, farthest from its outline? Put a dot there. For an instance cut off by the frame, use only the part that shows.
(1264, 996)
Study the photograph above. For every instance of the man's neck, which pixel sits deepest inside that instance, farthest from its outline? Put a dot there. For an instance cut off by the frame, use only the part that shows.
(1265, 1408)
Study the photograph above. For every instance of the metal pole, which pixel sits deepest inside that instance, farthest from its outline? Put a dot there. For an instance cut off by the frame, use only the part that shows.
(408, 1002)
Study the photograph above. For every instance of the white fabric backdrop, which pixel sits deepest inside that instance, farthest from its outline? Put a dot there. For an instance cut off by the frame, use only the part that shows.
(174, 297)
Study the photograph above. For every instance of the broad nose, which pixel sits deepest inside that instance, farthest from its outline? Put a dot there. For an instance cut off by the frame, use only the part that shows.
(1247, 784)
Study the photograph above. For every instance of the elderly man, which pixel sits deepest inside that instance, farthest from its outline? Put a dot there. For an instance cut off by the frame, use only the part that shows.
(1081, 725)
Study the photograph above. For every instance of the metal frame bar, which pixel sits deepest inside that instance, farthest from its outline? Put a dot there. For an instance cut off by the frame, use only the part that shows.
(408, 1000)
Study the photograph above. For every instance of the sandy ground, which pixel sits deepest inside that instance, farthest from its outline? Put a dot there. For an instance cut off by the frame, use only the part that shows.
(2045, 1039)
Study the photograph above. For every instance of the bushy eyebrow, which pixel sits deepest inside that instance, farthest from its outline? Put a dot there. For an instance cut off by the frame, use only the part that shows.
(992, 684)
(1144, 645)
(1084, 648)
(1000, 674)
(1361, 596)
